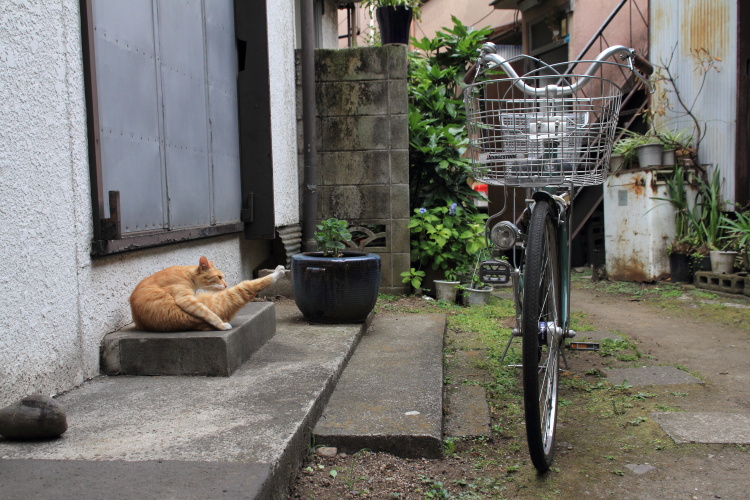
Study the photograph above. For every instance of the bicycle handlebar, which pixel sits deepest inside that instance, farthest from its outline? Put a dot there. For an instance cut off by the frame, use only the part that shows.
(489, 58)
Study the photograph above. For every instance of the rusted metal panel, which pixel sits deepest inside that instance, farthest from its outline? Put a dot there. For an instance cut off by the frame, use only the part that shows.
(683, 33)
(637, 228)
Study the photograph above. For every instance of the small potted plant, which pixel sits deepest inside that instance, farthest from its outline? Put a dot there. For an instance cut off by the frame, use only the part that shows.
(738, 234)
(447, 289)
(476, 293)
(335, 285)
(671, 143)
(623, 151)
(649, 151)
(394, 18)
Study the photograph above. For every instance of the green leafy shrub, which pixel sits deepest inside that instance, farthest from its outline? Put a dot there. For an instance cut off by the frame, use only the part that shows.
(446, 227)
(439, 172)
(446, 238)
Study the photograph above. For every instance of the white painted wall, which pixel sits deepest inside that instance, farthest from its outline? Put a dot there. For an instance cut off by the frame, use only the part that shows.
(58, 302)
(281, 29)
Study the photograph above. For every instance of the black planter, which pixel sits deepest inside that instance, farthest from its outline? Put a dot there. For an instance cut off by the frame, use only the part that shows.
(700, 263)
(336, 289)
(394, 23)
(679, 268)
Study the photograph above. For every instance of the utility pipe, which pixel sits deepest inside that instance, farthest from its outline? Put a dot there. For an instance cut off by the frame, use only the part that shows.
(310, 187)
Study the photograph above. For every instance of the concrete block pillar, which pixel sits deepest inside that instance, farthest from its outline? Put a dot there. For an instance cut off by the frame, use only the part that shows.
(363, 139)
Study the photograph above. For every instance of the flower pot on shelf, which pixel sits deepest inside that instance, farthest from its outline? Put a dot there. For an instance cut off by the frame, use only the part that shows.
(722, 262)
(668, 158)
(649, 154)
(394, 23)
(679, 267)
(616, 162)
(336, 289)
(446, 290)
(477, 296)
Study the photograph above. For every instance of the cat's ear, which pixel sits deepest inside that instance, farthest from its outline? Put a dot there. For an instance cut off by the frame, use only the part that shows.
(204, 264)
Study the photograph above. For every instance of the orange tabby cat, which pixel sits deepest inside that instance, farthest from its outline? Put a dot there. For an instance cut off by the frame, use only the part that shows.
(167, 301)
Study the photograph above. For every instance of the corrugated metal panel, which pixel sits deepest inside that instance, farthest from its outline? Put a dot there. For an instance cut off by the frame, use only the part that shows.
(221, 61)
(678, 31)
(167, 96)
(185, 112)
(126, 61)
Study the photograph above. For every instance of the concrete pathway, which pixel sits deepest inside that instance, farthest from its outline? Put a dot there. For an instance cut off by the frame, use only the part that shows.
(242, 436)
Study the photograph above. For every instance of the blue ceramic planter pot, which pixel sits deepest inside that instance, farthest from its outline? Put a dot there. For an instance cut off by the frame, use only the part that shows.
(336, 289)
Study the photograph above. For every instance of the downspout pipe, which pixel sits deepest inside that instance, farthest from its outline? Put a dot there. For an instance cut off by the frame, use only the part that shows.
(309, 112)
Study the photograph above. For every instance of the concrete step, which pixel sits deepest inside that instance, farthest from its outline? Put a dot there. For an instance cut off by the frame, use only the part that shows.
(390, 397)
(242, 436)
(213, 353)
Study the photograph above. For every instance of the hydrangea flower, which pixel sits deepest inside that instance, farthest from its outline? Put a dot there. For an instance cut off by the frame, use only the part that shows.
(452, 208)
(422, 210)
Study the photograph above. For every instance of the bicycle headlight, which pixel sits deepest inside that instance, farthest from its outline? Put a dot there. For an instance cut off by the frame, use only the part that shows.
(504, 235)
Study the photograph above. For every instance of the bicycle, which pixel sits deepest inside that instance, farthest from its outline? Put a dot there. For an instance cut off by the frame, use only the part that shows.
(549, 131)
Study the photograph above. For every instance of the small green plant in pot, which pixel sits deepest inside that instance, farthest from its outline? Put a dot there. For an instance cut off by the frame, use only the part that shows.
(331, 237)
(335, 285)
(737, 229)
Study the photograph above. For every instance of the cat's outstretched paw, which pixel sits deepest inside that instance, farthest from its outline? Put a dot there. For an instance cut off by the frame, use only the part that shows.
(278, 272)
(225, 326)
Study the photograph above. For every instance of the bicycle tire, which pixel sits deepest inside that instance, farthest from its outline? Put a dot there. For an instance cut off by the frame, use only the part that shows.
(541, 314)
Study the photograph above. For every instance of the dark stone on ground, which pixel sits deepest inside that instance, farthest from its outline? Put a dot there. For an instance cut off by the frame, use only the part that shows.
(34, 417)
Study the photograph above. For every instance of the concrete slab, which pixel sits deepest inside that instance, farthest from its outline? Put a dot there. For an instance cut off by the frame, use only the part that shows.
(467, 413)
(261, 416)
(214, 353)
(390, 397)
(711, 428)
(650, 375)
(465, 410)
(119, 480)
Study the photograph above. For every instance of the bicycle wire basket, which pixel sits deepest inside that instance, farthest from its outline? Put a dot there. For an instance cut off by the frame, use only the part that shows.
(520, 140)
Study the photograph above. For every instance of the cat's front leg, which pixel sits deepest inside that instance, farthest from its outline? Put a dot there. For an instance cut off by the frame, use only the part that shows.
(190, 305)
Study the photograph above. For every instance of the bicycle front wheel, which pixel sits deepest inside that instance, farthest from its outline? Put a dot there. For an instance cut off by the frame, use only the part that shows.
(542, 334)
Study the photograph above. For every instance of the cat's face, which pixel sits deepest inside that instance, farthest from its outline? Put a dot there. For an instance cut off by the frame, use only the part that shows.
(210, 278)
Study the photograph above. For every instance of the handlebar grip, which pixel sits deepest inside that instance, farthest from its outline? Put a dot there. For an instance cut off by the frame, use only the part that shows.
(643, 65)
(471, 75)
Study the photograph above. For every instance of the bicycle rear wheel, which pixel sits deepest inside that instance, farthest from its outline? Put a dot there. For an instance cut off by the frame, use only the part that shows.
(542, 336)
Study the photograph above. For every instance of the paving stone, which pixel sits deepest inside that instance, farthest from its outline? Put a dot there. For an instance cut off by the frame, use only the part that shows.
(467, 413)
(710, 428)
(650, 375)
(640, 468)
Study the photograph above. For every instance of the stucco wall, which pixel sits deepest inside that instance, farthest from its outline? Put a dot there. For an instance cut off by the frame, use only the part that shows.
(281, 76)
(58, 302)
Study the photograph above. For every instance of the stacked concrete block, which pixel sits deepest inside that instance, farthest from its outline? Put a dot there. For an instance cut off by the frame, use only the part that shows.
(727, 283)
(363, 142)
